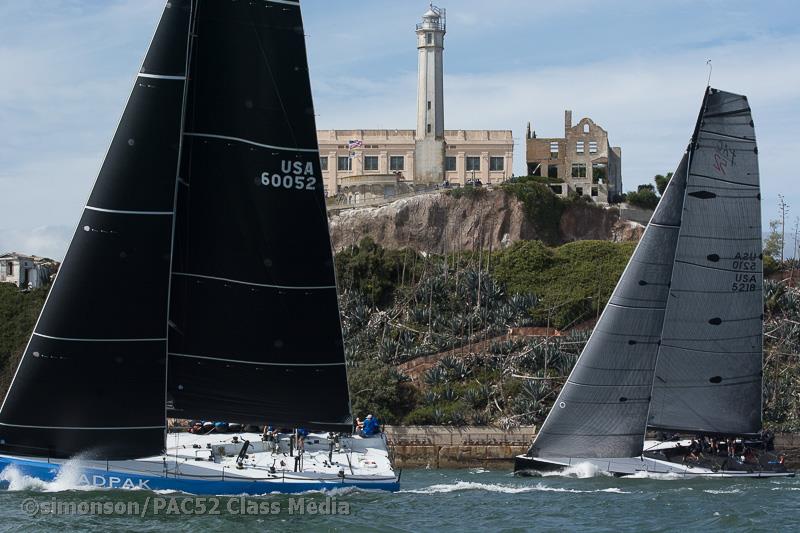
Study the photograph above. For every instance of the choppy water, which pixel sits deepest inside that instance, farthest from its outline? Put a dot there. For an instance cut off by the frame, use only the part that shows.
(443, 499)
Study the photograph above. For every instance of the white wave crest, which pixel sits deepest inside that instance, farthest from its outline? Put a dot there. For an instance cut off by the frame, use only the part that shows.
(721, 491)
(505, 489)
(68, 478)
(579, 471)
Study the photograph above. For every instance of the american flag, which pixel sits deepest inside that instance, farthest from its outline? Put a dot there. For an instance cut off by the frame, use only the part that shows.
(354, 143)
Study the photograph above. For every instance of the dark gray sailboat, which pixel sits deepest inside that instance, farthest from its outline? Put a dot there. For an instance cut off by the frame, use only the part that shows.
(678, 348)
(200, 280)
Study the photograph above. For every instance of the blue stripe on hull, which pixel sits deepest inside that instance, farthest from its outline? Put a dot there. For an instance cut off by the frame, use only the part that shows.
(126, 480)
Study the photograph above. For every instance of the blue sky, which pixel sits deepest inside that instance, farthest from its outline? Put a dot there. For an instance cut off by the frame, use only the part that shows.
(636, 67)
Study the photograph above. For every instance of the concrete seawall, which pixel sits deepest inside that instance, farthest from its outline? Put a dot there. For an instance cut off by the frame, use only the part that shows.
(463, 447)
(489, 447)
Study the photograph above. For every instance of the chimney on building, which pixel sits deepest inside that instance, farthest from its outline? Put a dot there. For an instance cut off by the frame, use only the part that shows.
(567, 119)
(528, 131)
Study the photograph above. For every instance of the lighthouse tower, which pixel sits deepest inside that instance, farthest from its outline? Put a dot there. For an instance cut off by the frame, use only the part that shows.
(429, 138)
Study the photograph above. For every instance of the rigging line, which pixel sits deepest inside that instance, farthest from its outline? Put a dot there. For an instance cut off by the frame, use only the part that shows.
(95, 340)
(124, 212)
(274, 81)
(720, 179)
(247, 141)
(288, 287)
(257, 363)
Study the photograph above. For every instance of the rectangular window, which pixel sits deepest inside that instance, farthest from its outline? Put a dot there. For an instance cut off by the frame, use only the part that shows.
(578, 170)
(344, 163)
(429, 104)
(396, 162)
(323, 163)
(594, 191)
(557, 189)
(579, 191)
(534, 169)
(370, 162)
(10, 268)
(579, 147)
(429, 38)
(599, 173)
(554, 150)
(429, 128)
(552, 171)
(496, 163)
(473, 163)
(450, 163)
(592, 147)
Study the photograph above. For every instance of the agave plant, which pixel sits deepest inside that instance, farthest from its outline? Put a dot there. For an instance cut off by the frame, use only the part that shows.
(434, 376)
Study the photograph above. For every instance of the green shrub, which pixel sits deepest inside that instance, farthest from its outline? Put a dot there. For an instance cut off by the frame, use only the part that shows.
(573, 281)
(543, 209)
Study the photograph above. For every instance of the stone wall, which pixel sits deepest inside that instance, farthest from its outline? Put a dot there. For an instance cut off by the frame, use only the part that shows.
(490, 447)
(451, 447)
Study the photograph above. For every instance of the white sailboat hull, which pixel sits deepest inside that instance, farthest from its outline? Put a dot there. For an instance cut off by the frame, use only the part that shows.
(207, 464)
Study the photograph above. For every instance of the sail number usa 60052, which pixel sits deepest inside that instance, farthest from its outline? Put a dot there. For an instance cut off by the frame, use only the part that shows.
(292, 175)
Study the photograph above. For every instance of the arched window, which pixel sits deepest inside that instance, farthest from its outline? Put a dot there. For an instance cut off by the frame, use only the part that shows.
(585, 127)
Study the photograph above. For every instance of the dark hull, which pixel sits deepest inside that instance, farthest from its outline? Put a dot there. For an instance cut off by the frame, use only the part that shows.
(529, 466)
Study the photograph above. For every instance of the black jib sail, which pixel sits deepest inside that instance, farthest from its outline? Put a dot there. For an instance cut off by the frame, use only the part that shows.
(708, 377)
(232, 277)
(254, 322)
(602, 408)
(92, 376)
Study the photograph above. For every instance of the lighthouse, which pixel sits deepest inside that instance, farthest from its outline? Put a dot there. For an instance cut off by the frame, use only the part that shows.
(429, 137)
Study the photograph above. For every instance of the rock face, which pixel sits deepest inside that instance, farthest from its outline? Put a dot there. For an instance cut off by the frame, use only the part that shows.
(440, 223)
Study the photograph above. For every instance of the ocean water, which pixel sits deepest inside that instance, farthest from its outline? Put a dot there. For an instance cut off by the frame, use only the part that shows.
(449, 500)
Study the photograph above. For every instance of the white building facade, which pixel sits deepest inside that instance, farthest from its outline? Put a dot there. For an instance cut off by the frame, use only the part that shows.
(25, 271)
(430, 154)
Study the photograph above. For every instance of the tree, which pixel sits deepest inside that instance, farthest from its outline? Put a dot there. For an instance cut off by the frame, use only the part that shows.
(662, 182)
(644, 197)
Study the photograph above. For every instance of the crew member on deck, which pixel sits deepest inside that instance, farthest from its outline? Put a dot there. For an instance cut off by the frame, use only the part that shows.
(371, 427)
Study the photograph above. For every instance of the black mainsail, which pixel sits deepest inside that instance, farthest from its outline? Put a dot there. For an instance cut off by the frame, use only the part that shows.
(679, 345)
(232, 276)
(255, 334)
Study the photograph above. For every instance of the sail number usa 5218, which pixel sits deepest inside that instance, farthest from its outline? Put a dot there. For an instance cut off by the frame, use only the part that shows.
(292, 175)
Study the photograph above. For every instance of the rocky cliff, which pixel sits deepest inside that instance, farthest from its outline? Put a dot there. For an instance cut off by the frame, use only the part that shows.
(440, 222)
